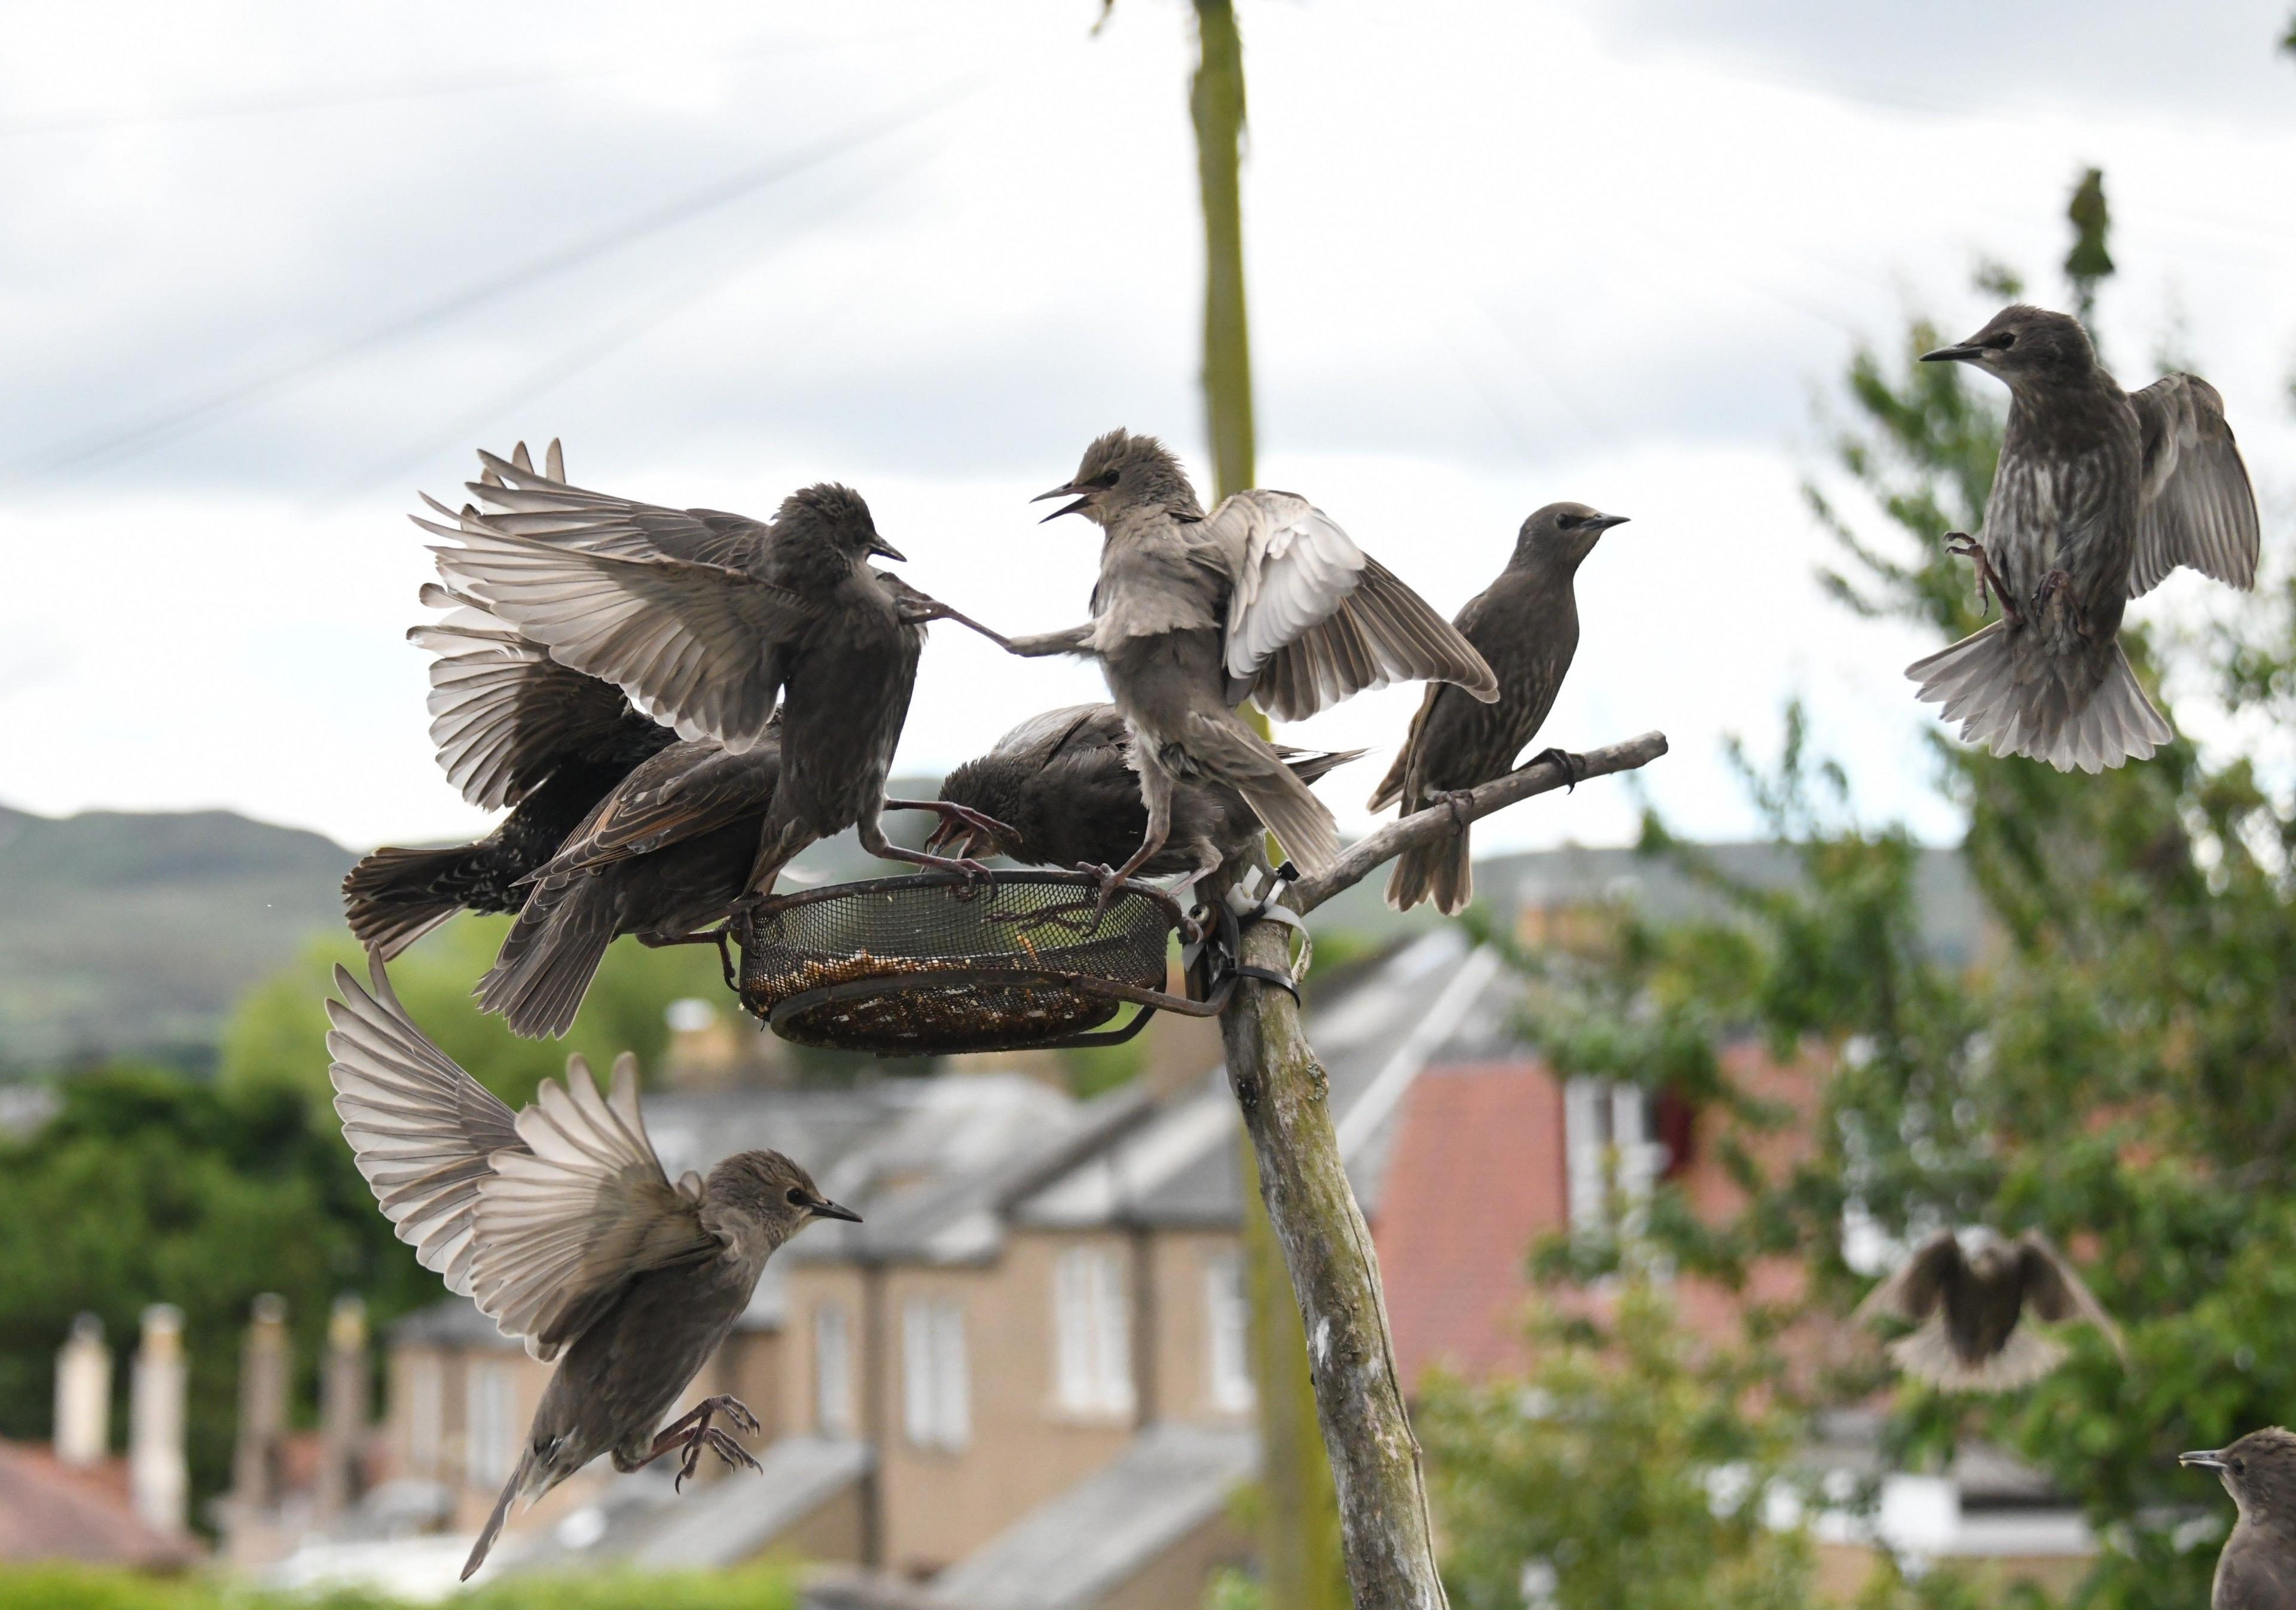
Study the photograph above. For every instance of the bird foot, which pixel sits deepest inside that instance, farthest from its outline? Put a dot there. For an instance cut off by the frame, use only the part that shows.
(2060, 581)
(1962, 545)
(1574, 767)
(719, 936)
(1458, 801)
(1112, 879)
(693, 1431)
(953, 816)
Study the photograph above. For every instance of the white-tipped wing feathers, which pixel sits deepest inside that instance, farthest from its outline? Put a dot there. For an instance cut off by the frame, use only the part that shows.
(2196, 507)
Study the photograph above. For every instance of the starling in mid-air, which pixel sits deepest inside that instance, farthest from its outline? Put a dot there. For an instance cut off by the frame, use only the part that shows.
(2098, 495)
(1062, 787)
(1970, 1309)
(1265, 598)
(2257, 1570)
(705, 619)
(560, 1224)
(1525, 625)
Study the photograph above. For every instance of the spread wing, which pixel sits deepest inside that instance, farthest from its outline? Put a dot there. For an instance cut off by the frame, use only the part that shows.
(1914, 1291)
(422, 1130)
(641, 596)
(1313, 619)
(687, 790)
(2054, 1291)
(2195, 506)
(564, 1223)
(504, 714)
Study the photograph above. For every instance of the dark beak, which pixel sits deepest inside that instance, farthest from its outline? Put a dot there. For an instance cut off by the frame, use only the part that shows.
(829, 1210)
(1953, 354)
(1603, 522)
(2205, 1459)
(1066, 509)
(884, 549)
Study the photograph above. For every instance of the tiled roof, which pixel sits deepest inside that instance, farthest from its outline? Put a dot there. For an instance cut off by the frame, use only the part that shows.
(48, 1512)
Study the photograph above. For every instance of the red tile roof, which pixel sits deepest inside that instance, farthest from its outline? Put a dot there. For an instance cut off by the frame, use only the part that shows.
(50, 1512)
(1476, 1177)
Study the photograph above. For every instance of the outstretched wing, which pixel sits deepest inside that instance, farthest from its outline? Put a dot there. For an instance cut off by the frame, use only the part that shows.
(1313, 619)
(687, 790)
(2054, 1291)
(2195, 505)
(422, 1130)
(1914, 1292)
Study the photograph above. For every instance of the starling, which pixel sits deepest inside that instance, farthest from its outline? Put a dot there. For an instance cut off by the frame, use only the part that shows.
(663, 856)
(512, 728)
(1061, 788)
(1969, 1307)
(560, 1223)
(2099, 495)
(1525, 625)
(705, 619)
(1265, 597)
(2257, 1570)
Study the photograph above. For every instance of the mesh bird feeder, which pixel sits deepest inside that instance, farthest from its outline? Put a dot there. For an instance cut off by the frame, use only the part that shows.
(934, 965)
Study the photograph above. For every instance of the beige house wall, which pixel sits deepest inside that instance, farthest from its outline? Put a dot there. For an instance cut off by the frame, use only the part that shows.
(1178, 1576)
(1181, 1263)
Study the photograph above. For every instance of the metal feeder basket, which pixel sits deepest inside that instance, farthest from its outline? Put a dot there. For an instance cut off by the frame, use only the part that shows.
(934, 965)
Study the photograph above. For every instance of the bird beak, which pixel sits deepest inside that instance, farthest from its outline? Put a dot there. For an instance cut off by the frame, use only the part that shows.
(829, 1210)
(1603, 522)
(1063, 491)
(1954, 355)
(2205, 1459)
(884, 549)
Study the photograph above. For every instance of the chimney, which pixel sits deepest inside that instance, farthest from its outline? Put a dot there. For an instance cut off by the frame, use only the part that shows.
(84, 1395)
(263, 1380)
(157, 1481)
(342, 1407)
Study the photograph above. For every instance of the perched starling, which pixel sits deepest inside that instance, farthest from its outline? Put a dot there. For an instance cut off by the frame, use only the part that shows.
(2257, 1570)
(1063, 786)
(664, 855)
(1265, 597)
(2098, 495)
(1969, 1307)
(1525, 625)
(559, 1222)
(512, 728)
(705, 619)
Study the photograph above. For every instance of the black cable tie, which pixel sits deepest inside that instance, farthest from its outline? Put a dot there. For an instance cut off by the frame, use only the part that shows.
(1268, 975)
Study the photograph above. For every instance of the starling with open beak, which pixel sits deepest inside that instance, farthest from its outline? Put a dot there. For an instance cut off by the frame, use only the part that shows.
(2257, 1570)
(2099, 493)
(560, 1223)
(1062, 792)
(1970, 1311)
(1265, 597)
(706, 619)
(1525, 625)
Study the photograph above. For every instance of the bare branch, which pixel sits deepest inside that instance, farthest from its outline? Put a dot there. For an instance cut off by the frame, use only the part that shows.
(1425, 827)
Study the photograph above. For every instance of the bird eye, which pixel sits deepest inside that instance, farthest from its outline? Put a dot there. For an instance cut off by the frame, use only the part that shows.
(1565, 521)
(2239, 1465)
(1103, 481)
(796, 1197)
(2003, 341)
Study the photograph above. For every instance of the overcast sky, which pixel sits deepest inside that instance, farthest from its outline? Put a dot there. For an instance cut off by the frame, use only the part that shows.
(266, 269)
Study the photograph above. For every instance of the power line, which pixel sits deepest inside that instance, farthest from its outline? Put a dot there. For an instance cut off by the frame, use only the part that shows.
(125, 441)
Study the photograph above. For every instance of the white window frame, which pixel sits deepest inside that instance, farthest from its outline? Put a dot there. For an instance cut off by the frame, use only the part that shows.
(1092, 1333)
(1227, 1341)
(1610, 1150)
(936, 1380)
(832, 1371)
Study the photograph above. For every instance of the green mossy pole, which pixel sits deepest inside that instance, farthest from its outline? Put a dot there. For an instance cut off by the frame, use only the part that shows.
(1215, 105)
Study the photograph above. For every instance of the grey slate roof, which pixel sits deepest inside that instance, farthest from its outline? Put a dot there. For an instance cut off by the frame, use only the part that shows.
(741, 1514)
(1072, 1551)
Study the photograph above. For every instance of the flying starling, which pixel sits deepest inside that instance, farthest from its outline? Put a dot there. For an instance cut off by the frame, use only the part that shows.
(512, 728)
(1265, 597)
(2099, 493)
(2257, 1570)
(1525, 625)
(705, 619)
(1061, 792)
(560, 1223)
(1970, 1309)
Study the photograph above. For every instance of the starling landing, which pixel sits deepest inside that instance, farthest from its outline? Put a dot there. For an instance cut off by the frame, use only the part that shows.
(1265, 597)
(667, 853)
(512, 728)
(1062, 789)
(1525, 625)
(560, 1223)
(1969, 1308)
(2257, 1570)
(2098, 496)
(705, 619)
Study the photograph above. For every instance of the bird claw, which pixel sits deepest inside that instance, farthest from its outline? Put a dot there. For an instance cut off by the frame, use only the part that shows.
(1574, 767)
(1110, 881)
(1961, 545)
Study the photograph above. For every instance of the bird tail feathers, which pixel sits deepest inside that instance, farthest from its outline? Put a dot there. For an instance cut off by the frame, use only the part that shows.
(1928, 1355)
(1441, 871)
(394, 897)
(1233, 753)
(524, 1476)
(545, 966)
(2021, 703)
(1311, 766)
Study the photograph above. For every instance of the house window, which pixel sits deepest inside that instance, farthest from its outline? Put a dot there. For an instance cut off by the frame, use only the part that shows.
(937, 1392)
(426, 1412)
(1229, 1344)
(832, 1372)
(1092, 1333)
(489, 1424)
(1609, 1149)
